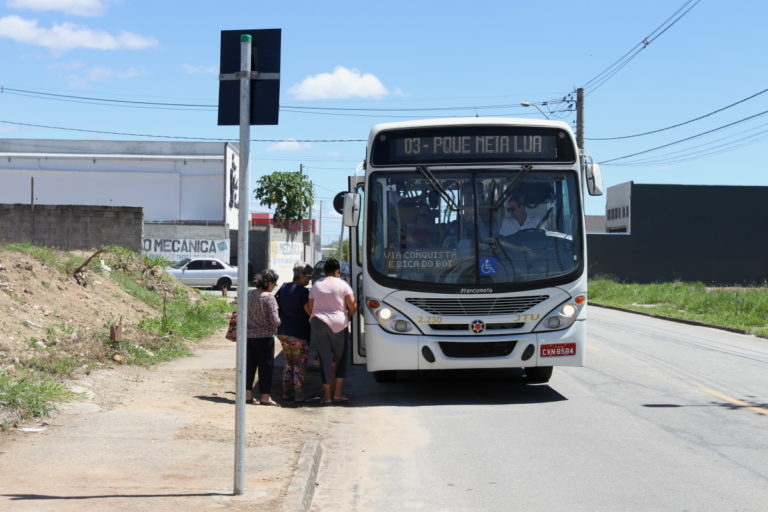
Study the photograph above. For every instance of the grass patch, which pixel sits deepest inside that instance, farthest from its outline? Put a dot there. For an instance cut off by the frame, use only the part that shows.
(45, 255)
(30, 394)
(137, 289)
(62, 366)
(153, 351)
(738, 308)
(189, 320)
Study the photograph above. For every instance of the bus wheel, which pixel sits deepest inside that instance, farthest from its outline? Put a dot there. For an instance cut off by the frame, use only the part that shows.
(538, 373)
(385, 376)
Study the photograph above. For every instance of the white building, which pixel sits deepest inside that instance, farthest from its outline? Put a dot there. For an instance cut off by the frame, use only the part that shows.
(188, 190)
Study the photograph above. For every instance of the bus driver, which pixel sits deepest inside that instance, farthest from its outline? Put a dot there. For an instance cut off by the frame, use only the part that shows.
(518, 218)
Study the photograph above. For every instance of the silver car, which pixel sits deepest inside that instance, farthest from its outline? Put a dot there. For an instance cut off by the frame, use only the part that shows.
(204, 273)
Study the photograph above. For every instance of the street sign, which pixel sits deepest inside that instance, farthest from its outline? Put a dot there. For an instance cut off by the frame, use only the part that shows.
(265, 94)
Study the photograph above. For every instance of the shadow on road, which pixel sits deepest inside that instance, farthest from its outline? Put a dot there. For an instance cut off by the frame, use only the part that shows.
(413, 389)
(435, 387)
(16, 497)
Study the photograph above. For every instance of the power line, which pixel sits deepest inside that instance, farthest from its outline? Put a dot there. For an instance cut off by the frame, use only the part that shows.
(686, 157)
(105, 100)
(680, 124)
(201, 106)
(700, 150)
(686, 139)
(601, 78)
(104, 132)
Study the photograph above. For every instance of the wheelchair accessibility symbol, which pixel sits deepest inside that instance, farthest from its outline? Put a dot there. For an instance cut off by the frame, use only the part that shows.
(489, 266)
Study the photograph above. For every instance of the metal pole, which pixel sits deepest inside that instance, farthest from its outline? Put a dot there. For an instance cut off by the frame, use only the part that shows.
(32, 208)
(319, 232)
(580, 118)
(242, 259)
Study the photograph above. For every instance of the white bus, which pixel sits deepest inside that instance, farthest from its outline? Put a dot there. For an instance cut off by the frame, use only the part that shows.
(468, 247)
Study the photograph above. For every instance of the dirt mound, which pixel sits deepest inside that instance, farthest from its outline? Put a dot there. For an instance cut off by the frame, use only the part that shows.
(45, 313)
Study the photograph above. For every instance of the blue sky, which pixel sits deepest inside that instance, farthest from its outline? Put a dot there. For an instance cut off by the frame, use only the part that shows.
(482, 57)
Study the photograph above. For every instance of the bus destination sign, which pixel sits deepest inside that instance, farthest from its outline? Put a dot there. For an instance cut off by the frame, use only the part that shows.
(472, 144)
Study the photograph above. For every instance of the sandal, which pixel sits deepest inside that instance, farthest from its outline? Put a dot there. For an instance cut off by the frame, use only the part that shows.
(267, 402)
(341, 400)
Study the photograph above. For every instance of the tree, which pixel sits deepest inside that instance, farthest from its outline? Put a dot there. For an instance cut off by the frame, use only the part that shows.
(344, 256)
(290, 193)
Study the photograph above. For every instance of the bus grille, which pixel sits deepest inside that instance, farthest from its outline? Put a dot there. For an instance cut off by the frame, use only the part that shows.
(465, 327)
(484, 306)
(483, 349)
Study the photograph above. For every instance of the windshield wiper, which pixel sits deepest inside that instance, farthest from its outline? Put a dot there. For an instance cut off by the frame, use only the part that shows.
(437, 187)
(512, 186)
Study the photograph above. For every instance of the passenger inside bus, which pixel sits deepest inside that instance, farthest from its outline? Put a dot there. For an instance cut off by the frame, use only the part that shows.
(420, 233)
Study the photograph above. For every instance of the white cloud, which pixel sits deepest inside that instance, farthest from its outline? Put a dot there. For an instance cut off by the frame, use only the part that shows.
(76, 7)
(98, 73)
(67, 66)
(342, 83)
(289, 145)
(8, 128)
(200, 70)
(67, 36)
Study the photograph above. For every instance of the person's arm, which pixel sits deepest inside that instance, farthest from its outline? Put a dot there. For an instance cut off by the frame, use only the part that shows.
(273, 313)
(349, 300)
(308, 306)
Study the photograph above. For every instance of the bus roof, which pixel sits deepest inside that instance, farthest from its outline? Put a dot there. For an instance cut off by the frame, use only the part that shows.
(468, 121)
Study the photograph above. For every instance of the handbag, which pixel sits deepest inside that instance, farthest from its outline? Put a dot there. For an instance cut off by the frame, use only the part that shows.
(232, 329)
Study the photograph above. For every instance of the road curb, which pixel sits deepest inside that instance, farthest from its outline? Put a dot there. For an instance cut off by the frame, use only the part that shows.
(302, 487)
(673, 319)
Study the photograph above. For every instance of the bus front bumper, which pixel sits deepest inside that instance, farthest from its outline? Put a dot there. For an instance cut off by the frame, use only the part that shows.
(388, 351)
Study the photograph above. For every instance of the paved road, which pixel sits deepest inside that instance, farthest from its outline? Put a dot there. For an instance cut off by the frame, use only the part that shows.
(665, 416)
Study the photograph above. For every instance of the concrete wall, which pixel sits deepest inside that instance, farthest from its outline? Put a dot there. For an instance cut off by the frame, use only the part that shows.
(713, 234)
(175, 242)
(71, 227)
(275, 248)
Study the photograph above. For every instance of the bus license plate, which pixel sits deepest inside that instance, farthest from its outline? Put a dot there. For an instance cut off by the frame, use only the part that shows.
(558, 349)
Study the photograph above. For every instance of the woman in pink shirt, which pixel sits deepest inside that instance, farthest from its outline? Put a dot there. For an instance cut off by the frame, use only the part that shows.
(331, 303)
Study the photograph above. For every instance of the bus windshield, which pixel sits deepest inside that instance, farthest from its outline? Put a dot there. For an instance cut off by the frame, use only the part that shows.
(474, 227)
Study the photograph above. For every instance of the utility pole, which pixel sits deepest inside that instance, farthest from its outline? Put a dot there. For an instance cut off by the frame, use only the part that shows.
(309, 225)
(580, 118)
(320, 228)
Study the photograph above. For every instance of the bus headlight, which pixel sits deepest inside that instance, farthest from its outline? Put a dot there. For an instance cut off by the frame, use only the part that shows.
(390, 319)
(563, 315)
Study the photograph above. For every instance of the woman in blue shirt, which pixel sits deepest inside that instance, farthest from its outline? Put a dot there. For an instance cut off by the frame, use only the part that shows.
(293, 332)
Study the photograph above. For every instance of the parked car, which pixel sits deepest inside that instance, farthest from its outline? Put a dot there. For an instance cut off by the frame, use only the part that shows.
(319, 273)
(204, 272)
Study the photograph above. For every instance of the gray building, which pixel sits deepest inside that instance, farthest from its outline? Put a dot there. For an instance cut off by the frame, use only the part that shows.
(660, 233)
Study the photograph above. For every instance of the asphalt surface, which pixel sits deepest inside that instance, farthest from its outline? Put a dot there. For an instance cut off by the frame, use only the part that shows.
(665, 416)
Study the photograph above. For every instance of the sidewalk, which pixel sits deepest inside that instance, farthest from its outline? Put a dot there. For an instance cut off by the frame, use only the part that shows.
(159, 439)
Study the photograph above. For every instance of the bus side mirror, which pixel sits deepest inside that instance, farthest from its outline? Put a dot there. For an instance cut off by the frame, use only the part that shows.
(351, 213)
(594, 179)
